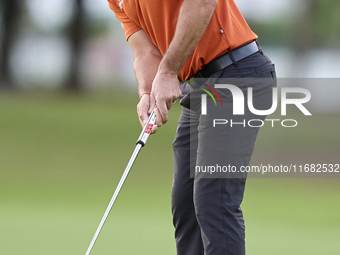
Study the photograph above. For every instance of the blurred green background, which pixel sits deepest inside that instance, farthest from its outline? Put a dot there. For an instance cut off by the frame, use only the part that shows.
(68, 126)
(63, 155)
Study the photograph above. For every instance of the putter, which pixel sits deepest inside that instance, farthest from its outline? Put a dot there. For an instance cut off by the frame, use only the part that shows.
(140, 143)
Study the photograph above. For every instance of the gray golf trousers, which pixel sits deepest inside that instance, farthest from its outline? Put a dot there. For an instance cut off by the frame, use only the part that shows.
(207, 216)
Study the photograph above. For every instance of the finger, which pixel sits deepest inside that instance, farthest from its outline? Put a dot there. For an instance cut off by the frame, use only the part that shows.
(169, 104)
(143, 121)
(173, 101)
(158, 118)
(163, 111)
(152, 104)
(154, 129)
(143, 116)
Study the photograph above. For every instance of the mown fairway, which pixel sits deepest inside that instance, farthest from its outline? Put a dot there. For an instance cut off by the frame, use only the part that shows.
(61, 158)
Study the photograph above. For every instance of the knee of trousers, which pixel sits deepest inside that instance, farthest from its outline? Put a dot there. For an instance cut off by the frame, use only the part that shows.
(181, 200)
(218, 201)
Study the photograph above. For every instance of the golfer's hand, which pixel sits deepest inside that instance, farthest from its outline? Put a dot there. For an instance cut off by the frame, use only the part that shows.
(144, 110)
(165, 91)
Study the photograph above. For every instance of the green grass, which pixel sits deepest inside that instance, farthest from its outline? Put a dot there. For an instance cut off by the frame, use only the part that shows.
(62, 157)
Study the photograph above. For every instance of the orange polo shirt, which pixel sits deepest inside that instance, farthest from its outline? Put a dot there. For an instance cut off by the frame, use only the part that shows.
(227, 29)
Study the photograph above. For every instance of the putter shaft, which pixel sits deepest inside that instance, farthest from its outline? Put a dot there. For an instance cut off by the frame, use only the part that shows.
(140, 143)
(120, 184)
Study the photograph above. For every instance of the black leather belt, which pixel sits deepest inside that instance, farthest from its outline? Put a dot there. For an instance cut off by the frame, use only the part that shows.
(228, 59)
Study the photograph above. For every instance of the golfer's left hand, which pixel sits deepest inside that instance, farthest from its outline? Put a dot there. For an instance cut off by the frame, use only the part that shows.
(165, 90)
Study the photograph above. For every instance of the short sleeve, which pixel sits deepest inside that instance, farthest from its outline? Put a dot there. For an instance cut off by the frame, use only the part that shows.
(128, 25)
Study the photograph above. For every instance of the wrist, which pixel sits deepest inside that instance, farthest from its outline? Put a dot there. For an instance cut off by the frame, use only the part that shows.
(167, 70)
(143, 94)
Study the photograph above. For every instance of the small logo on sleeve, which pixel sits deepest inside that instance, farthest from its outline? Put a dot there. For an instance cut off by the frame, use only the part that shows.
(120, 4)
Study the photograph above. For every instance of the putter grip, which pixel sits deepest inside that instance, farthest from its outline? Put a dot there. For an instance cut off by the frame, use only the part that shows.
(147, 129)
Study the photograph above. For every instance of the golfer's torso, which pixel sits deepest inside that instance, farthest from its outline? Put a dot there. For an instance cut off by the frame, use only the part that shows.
(227, 29)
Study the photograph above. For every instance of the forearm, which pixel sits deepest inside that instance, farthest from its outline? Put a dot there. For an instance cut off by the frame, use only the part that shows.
(193, 20)
(145, 68)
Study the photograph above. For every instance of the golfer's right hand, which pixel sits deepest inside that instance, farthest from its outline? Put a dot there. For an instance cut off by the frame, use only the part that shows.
(144, 110)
